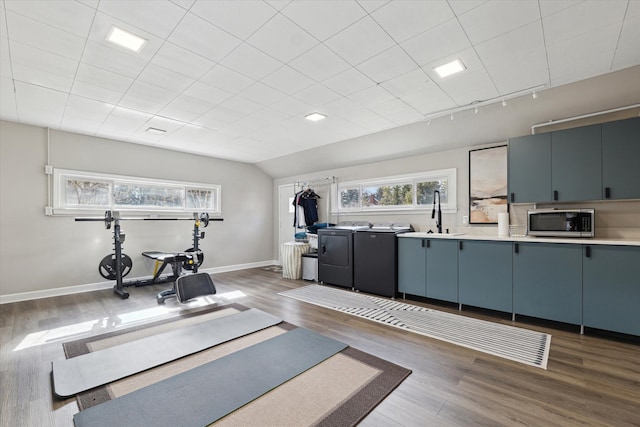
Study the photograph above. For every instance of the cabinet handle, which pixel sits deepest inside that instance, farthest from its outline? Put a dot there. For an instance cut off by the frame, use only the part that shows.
(324, 249)
(516, 248)
(513, 197)
(555, 195)
(460, 244)
(428, 243)
(607, 193)
(587, 251)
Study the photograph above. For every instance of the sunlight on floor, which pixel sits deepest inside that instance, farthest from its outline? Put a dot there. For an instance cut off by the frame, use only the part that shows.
(106, 324)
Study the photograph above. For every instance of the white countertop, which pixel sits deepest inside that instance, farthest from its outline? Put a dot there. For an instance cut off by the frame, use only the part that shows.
(575, 240)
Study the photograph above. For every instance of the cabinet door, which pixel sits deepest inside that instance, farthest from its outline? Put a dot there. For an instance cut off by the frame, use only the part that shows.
(530, 168)
(485, 274)
(442, 269)
(620, 154)
(412, 266)
(612, 288)
(576, 164)
(547, 281)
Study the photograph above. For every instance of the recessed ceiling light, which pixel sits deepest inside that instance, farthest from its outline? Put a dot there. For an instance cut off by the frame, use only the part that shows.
(156, 131)
(314, 117)
(125, 39)
(449, 68)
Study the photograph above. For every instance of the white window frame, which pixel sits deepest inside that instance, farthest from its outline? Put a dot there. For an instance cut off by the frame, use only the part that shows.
(450, 175)
(61, 176)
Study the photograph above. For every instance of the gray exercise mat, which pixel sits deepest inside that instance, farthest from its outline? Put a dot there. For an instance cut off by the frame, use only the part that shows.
(209, 392)
(72, 376)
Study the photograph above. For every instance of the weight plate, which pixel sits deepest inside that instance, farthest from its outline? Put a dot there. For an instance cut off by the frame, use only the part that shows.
(188, 266)
(107, 219)
(204, 219)
(107, 266)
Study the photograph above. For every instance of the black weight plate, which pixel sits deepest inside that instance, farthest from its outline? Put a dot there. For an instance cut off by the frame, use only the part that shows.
(107, 266)
(188, 266)
(204, 219)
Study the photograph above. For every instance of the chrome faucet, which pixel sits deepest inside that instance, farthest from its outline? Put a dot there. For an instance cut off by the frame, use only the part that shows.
(433, 212)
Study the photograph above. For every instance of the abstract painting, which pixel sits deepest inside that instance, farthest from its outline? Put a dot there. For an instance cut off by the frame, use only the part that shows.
(487, 184)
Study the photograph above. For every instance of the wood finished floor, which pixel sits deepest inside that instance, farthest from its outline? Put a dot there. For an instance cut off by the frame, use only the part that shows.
(590, 380)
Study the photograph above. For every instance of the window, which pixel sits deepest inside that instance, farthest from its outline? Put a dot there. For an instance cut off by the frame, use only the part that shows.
(76, 191)
(405, 192)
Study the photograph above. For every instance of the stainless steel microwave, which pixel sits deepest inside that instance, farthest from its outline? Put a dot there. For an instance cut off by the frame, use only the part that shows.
(561, 222)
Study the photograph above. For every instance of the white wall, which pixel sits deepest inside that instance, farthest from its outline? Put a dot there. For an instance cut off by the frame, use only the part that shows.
(40, 253)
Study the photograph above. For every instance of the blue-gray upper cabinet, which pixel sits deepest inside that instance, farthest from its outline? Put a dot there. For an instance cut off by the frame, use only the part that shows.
(412, 266)
(485, 274)
(530, 168)
(442, 269)
(612, 288)
(576, 164)
(547, 281)
(620, 154)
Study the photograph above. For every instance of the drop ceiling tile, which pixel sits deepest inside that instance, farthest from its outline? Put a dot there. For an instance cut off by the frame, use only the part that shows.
(185, 4)
(42, 78)
(241, 105)
(89, 109)
(206, 93)
(282, 39)
(407, 83)
(581, 68)
(164, 123)
(100, 56)
(227, 79)
(405, 19)
(461, 6)
(348, 82)
(262, 94)
(324, 18)
(203, 38)
(71, 17)
(98, 93)
(182, 61)
(404, 117)
(185, 108)
(371, 96)
(103, 78)
(391, 63)
(240, 18)
(160, 19)
(251, 62)
(551, 7)
(217, 118)
(429, 100)
(372, 5)
(39, 105)
(592, 14)
(293, 106)
(360, 41)
(32, 57)
(123, 121)
(437, 43)
(498, 17)
(44, 37)
(319, 63)
(468, 57)
(473, 86)
(145, 97)
(165, 78)
(8, 107)
(287, 80)
(628, 51)
(317, 95)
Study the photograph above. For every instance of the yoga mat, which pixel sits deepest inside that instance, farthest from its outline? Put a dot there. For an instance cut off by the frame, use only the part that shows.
(72, 376)
(209, 392)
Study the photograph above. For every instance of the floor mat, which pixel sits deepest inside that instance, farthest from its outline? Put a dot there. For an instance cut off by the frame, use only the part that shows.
(517, 344)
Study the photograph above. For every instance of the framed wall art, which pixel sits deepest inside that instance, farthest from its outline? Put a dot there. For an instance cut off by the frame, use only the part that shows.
(487, 184)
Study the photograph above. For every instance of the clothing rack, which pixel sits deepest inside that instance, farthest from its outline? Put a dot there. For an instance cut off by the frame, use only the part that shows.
(306, 183)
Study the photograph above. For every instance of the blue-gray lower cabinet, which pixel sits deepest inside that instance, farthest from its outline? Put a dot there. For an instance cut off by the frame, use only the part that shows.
(547, 281)
(442, 269)
(612, 288)
(485, 274)
(412, 266)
